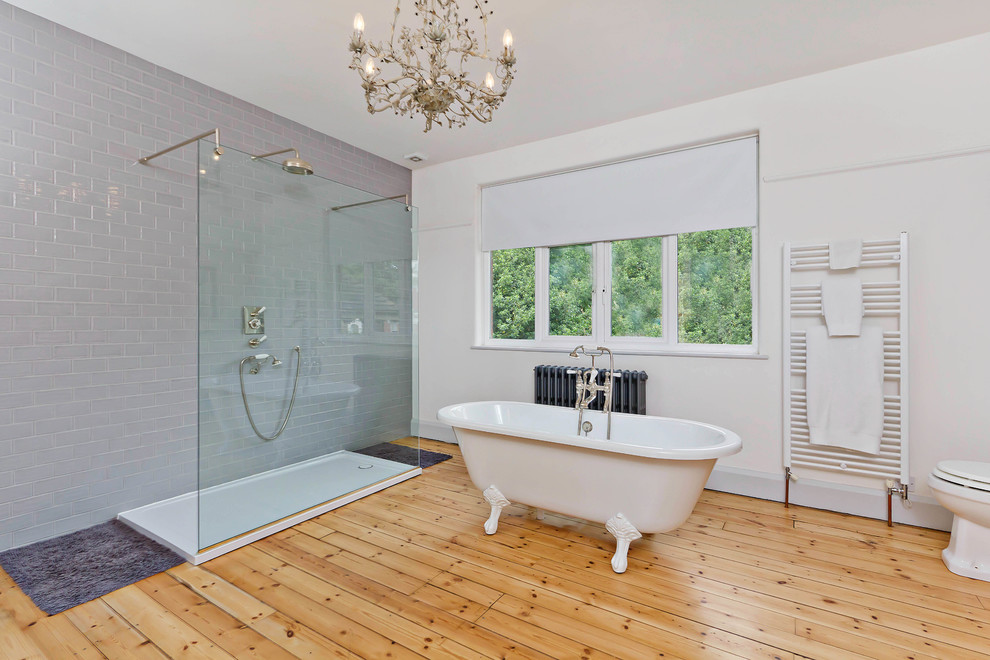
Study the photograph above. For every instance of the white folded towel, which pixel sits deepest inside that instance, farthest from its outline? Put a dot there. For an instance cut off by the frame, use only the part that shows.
(845, 254)
(842, 304)
(845, 389)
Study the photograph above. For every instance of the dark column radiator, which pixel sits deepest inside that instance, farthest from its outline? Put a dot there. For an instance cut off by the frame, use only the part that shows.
(552, 385)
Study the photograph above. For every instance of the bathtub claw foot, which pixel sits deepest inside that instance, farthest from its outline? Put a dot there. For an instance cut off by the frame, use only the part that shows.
(624, 533)
(498, 502)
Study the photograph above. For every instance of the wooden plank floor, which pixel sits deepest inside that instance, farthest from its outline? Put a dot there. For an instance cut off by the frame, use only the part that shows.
(409, 572)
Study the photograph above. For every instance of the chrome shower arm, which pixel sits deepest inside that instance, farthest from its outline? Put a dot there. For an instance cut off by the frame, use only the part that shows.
(275, 153)
(404, 197)
(214, 132)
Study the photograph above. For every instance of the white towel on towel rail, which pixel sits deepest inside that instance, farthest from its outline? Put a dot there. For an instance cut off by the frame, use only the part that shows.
(845, 254)
(845, 389)
(842, 304)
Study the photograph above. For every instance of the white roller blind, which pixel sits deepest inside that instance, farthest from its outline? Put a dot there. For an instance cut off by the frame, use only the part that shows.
(710, 187)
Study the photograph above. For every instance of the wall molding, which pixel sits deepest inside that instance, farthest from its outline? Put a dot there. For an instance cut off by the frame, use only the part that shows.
(855, 500)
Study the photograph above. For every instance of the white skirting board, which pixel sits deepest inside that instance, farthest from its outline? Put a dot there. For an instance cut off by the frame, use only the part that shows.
(433, 431)
(865, 502)
(924, 511)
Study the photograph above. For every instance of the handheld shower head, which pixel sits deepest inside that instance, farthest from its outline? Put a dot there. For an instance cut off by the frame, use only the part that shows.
(574, 353)
(275, 361)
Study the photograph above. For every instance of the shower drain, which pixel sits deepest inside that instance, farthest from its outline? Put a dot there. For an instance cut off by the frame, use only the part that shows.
(365, 467)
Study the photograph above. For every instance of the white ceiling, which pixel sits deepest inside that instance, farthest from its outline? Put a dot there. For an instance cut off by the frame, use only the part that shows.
(581, 63)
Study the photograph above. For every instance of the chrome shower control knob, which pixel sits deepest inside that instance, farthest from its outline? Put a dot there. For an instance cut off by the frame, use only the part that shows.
(254, 324)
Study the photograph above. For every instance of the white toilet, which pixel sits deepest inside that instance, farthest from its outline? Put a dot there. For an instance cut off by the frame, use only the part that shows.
(963, 487)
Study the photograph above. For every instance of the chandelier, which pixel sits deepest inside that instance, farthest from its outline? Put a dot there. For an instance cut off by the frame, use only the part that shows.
(428, 65)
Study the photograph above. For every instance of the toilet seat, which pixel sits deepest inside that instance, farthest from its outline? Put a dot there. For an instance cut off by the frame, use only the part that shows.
(972, 474)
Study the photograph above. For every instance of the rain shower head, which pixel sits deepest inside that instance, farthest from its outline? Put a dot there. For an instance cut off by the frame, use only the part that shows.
(294, 165)
(297, 166)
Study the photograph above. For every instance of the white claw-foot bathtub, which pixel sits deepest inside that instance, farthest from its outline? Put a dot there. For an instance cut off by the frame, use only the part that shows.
(646, 479)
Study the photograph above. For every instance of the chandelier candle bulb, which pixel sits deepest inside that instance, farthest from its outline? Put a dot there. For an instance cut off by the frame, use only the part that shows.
(358, 23)
(489, 81)
(369, 66)
(507, 41)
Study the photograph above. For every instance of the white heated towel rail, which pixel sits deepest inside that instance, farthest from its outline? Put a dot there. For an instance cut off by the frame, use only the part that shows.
(884, 272)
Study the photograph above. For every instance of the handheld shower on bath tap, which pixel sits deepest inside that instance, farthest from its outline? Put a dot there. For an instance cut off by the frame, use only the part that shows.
(588, 388)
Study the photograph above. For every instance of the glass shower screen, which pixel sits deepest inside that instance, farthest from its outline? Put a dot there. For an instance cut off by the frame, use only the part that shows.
(283, 266)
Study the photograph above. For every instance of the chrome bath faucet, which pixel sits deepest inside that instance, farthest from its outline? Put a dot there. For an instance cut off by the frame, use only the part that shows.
(587, 387)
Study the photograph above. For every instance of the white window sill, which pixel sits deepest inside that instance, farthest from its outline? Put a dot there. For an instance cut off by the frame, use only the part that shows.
(618, 350)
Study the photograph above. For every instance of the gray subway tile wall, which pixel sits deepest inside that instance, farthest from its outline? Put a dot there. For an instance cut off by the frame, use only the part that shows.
(98, 270)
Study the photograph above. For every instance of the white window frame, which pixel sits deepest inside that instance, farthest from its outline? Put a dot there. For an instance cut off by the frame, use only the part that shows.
(601, 317)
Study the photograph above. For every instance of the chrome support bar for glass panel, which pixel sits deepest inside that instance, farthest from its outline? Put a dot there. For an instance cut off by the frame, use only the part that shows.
(372, 201)
(273, 153)
(215, 132)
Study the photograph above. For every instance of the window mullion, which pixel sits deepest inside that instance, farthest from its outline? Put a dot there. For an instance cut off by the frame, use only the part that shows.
(542, 288)
(603, 285)
(670, 288)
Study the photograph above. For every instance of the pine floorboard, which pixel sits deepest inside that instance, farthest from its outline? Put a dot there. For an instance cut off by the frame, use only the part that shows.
(409, 573)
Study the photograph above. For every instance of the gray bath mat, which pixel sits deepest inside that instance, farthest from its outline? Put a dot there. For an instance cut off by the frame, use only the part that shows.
(403, 454)
(66, 571)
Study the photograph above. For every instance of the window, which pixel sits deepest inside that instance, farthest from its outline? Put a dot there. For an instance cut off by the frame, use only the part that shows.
(637, 288)
(689, 292)
(648, 254)
(513, 302)
(570, 291)
(715, 300)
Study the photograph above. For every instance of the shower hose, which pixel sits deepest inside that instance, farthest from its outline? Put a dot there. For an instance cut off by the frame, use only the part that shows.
(247, 408)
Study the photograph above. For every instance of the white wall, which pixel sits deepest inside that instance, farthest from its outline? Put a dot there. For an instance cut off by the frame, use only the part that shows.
(926, 102)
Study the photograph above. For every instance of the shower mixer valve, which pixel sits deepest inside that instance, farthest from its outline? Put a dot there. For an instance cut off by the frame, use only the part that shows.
(254, 320)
